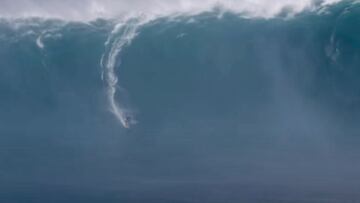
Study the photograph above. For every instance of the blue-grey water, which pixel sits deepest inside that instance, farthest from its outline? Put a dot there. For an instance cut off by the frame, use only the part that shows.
(228, 109)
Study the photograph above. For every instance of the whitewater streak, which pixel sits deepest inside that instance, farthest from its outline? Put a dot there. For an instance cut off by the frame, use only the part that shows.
(121, 36)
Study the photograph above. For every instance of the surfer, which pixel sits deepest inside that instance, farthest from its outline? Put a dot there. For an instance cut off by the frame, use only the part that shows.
(128, 121)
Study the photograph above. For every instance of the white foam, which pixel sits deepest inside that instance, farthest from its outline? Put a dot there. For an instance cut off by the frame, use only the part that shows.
(92, 9)
(39, 42)
(121, 36)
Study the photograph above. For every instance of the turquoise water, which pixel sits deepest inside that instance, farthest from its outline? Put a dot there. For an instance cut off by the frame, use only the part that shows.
(205, 108)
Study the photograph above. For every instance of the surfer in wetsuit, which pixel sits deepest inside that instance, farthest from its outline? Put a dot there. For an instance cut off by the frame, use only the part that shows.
(128, 120)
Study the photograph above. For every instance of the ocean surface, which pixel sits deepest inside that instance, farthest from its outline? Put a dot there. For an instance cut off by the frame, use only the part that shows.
(215, 107)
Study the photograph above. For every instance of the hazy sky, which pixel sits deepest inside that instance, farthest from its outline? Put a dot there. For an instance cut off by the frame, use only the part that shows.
(90, 9)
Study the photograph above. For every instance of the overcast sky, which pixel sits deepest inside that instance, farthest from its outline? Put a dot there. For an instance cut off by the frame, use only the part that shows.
(91, 9)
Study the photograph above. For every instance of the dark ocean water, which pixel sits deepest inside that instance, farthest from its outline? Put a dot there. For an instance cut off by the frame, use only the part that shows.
(210, 108)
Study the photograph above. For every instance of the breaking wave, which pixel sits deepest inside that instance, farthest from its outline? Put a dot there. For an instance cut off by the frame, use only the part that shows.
(212, 99)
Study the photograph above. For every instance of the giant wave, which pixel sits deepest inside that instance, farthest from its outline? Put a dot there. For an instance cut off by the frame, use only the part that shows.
(216, 106)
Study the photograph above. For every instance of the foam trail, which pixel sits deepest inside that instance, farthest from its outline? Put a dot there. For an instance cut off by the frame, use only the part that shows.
(39, 42)
(128, 32)
(53, 33)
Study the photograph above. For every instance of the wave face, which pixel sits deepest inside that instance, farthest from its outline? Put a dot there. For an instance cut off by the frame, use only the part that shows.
(207, 108)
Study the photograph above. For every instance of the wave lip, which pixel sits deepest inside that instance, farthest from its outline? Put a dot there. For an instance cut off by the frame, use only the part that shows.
(87, 10)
